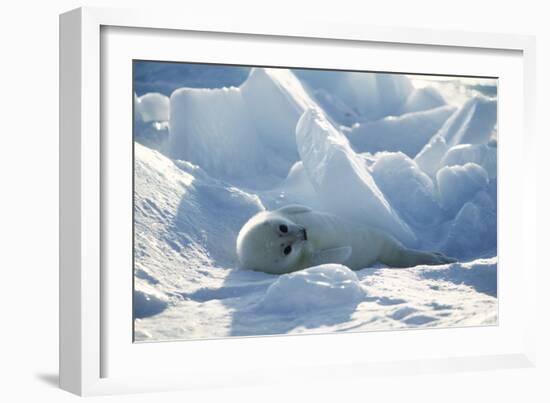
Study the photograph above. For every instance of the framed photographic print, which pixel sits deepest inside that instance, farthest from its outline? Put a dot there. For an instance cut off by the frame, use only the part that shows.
(315, 199)
(272, 200)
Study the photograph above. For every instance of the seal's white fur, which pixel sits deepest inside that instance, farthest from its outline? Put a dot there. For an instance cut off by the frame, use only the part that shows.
(295, 237)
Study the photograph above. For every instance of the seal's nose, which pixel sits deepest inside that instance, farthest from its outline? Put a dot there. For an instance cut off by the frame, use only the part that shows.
(304, 232)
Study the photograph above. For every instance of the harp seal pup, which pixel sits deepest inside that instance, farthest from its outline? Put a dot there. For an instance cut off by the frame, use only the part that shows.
(295, 237)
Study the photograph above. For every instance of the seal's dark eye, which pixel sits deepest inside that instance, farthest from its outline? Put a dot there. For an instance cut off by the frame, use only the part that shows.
(283, 228)
(287, 250)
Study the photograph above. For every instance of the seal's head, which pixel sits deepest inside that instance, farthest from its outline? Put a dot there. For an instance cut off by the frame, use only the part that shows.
(271, 243)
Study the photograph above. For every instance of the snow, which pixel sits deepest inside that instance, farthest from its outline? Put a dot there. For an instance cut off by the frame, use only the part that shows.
(415, 161)
(474, 230)
(457, 184)
(313, 289)
(484, 155)
(185, 221)
(151, 115)
(474, 123)
(423, 99)
(407, 188)
(358, 95)
(275, 120)
(380, 299)
(148, 303)
(407, 133)
(218, 128)
(153, 107)
(334, 170)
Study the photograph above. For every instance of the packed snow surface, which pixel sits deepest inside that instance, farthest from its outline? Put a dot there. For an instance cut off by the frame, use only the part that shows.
(374, 148)
(316, 288)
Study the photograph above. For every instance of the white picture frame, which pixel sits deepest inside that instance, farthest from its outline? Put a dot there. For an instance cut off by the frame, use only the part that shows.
(85, 344)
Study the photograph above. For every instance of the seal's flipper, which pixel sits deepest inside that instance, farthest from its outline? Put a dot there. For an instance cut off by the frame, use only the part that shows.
(334, 255)
(403, 257)
(294, 209)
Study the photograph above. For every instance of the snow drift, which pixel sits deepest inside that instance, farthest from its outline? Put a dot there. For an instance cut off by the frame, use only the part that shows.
(185, 223)
(321, 287)
(474, 123)
(151, 115)
(406, 133)
(245, 135)
(409, 190)
(473, 231)
(152, 107)
(356, 96)
(343, 183)
(423, 99)
(459, 183)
